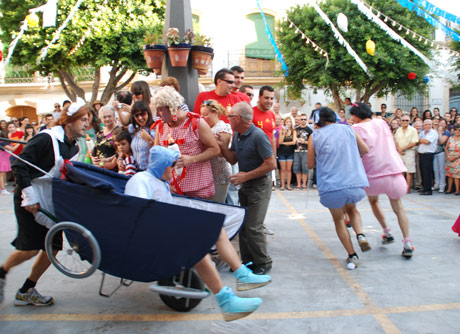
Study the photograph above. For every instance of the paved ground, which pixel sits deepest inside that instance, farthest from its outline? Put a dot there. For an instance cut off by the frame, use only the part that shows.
(311, 292)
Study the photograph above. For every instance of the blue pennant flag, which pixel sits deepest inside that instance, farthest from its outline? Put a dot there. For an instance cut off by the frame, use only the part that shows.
(429, 7)
(430, 19)
(278, 54)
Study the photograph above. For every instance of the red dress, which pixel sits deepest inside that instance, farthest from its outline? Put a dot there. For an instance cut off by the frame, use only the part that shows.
(198, 181)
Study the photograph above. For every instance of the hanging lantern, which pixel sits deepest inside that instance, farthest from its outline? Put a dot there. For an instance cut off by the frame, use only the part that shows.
(342, 22)
(426, 79)
(370, 47)
(411, 75)
(32, 19)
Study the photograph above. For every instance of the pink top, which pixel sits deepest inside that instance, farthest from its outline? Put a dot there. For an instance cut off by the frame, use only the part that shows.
(383, 159)
(198, 180)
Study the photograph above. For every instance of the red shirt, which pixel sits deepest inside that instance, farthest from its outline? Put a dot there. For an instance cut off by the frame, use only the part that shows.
(18, 135)
(264, 121)
(226, 101)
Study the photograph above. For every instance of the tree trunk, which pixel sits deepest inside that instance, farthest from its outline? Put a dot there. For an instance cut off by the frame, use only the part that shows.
(335, 95)
(358, 95)
(371, 89)
(96, 84)
(72, 85)
(67, 92)
(114, 79)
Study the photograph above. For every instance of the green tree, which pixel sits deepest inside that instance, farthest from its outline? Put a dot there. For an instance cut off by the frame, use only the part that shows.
(455, 46)
(388, 68)
(111, 32)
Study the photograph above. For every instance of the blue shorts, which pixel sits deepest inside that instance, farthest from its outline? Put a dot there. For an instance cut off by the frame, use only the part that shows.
(338, 199)
(282, 157)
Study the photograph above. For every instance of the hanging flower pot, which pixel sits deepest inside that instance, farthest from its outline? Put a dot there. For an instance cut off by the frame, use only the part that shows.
(202, 58)
(154, 55)
(178, 54)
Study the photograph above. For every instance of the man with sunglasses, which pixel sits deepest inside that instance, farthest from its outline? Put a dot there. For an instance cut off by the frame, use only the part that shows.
(224, 81)
(406, 139)
(300, 167)
(248, 90)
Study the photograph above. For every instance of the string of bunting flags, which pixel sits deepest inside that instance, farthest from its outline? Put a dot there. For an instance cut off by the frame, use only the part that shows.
(340, 39)
(371, 16)
(308, 40)
(429, 7)
(430, 19)
(278, 54)
(410, 32)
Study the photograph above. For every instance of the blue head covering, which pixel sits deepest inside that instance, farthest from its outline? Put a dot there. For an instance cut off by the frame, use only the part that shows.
(160, 158)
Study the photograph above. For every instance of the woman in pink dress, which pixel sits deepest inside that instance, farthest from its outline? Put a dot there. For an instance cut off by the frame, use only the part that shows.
(384, 168)
(5, 165)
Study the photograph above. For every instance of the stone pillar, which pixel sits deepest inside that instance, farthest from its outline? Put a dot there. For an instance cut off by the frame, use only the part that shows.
(179, 15)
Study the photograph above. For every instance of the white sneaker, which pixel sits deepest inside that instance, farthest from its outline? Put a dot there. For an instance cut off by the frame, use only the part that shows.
(5, 192)
(441, 190)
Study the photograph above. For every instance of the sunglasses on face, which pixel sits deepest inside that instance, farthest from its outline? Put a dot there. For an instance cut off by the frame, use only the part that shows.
(230, 82)
(303, 119)
(250, 94)
(137, 93)
(141, 113)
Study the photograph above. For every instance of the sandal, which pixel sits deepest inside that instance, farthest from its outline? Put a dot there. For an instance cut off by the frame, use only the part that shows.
(289, 189)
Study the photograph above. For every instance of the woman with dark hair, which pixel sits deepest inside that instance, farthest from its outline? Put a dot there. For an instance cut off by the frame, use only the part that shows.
(143, 137)
(30, 240)
(335, 151)
(29, 132)
(427, 115)
(412, 114)
(141, 91)
(384, 168)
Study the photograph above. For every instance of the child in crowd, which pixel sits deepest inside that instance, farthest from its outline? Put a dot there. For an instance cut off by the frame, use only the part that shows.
(126, 162)
(153, 184)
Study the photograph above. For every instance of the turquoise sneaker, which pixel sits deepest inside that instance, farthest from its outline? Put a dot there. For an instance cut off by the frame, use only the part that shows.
(246, 280)
(234, 307)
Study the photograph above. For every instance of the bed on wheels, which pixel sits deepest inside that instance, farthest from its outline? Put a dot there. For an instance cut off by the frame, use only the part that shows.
(128, 237)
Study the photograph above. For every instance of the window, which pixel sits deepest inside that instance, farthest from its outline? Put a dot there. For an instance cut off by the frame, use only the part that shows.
(262, 48)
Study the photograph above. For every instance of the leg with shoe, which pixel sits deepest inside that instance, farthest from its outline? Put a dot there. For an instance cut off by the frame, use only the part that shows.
(246, 280)
(27, 294)
(255, 195)
(398, 209)
(426, 170)
(344, 237)
(356, 224)
(29, 242)
(231, 306)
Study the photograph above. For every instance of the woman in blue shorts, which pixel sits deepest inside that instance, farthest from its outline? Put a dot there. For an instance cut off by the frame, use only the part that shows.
(287, 139)
(335, 151)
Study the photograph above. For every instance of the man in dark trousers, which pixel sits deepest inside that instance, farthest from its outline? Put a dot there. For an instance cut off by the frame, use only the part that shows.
(252, 149)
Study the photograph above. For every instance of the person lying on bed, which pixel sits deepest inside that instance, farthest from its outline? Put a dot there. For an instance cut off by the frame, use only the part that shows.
(153, 184)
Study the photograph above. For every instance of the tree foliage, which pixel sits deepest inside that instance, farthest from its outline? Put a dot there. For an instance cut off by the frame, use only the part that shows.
(455, 46)
(114, 32)
(388, 67)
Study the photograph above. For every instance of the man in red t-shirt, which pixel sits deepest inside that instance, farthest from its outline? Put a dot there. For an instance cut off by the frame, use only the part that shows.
(224, 81)
(263, 117)
(238, 74)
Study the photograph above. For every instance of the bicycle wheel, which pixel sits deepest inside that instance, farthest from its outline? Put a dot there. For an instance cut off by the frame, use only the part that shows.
(187, 280)
(80, 255)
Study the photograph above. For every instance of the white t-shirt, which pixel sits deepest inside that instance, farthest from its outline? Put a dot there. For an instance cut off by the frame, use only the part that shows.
(145, 185)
